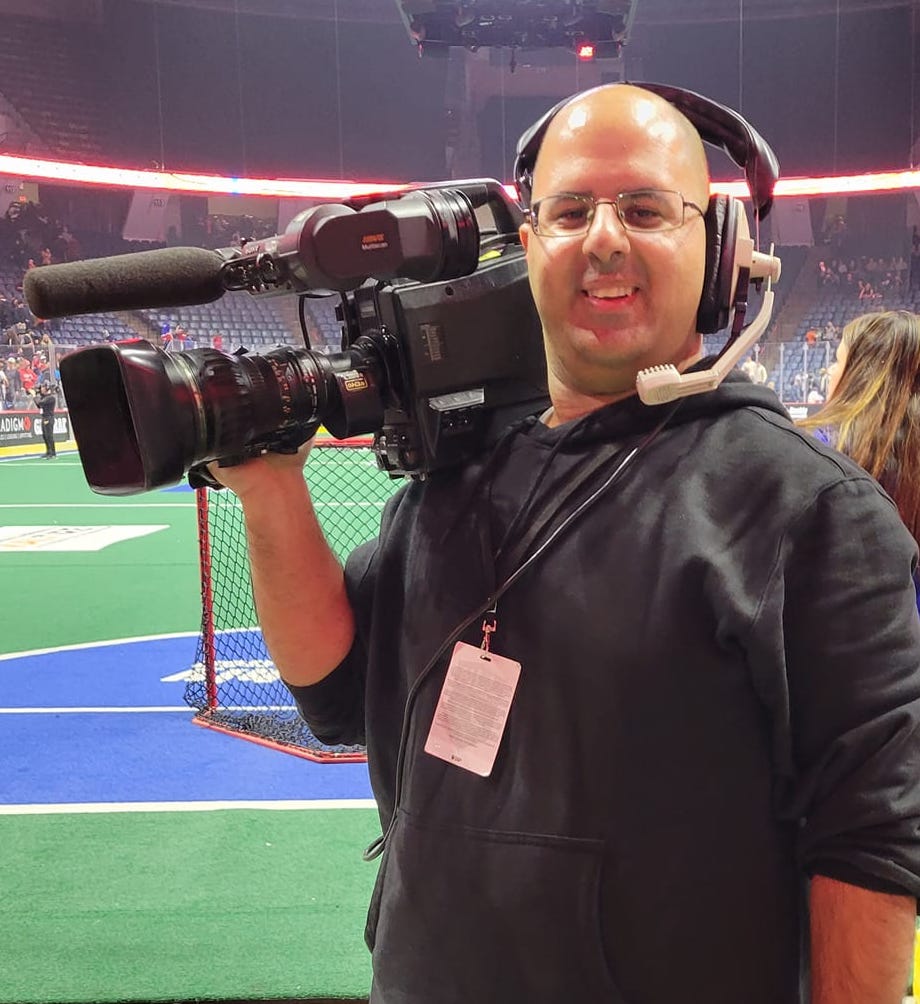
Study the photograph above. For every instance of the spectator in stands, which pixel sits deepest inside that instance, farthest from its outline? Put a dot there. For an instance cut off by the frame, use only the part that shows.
(716, 717)
(21, 312)
(45, 400)
(47, 257)
(836, 233)
(26, 374)
(873, 408)
(914, 279)
(823, 382)
(26, 342)
(13, 379)
(886, 284)
(826, 275)
(814, 395)
(755, 370)
(72, 251)
(217, 341)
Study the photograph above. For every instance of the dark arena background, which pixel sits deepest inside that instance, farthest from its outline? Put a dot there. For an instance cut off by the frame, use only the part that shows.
(148, 860)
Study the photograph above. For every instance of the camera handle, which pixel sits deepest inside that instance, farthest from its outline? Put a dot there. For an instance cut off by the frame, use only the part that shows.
(289, 441)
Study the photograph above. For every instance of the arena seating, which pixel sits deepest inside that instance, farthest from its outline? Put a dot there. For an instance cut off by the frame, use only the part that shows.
(240, 319)
(793, 366)
(49, 78)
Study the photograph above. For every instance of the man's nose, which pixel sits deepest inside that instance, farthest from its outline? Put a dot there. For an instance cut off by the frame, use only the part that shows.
(606, 235)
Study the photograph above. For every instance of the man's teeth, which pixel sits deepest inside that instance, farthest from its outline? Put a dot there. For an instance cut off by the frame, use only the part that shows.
(611, 293)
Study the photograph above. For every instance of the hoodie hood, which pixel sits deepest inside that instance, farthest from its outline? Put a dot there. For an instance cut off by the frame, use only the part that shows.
(631, 416)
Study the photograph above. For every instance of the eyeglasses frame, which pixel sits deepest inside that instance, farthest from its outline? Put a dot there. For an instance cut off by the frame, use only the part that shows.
(531, 214)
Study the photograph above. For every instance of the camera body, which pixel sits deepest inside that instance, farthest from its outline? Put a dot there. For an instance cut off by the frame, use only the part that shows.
(463, 356)
(442, 347)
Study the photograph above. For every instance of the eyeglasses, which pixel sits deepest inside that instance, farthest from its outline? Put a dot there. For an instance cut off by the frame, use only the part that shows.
(645, 211)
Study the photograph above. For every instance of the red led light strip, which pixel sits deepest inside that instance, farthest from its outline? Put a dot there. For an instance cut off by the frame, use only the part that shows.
(849, 184)
(208, 184)
(201, 184)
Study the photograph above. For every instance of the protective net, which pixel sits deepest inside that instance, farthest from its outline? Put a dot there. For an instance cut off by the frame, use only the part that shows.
(234, 685)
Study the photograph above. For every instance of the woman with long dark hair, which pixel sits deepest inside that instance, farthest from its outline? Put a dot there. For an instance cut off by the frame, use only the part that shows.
(872, 412)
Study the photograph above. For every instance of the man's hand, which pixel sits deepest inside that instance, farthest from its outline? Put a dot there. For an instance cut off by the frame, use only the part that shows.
(265, 474)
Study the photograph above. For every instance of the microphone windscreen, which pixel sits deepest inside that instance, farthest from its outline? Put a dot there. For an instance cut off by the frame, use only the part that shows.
(165, 277)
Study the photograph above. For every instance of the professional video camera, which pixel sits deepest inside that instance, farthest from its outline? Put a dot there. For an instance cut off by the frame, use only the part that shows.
(441, 342)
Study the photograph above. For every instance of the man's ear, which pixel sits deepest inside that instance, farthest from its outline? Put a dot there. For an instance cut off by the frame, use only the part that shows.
(525, 233)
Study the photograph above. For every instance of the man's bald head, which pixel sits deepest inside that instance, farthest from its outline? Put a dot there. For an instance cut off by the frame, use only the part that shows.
(625, 110)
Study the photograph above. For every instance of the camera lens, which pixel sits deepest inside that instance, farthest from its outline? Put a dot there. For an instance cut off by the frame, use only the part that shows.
(142, 417)
(459, 250)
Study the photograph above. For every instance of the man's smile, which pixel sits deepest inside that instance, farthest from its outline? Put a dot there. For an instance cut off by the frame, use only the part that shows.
(613, 296)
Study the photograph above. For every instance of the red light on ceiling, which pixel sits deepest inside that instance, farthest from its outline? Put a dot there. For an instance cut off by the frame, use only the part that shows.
(585, 52)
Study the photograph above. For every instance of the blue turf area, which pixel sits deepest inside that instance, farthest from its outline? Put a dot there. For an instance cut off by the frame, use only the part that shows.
(136, 756)
(125, 674)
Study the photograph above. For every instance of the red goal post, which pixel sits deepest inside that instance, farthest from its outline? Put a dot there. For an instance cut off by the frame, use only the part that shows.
(234, 686)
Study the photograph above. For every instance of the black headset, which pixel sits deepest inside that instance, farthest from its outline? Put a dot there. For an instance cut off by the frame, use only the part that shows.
(720, 127)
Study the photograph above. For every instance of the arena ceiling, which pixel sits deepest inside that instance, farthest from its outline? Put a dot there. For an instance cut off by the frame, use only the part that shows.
(648, 12)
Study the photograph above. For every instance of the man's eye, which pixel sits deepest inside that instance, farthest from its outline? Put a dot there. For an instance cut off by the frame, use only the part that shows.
(568, 215)
(643, 216)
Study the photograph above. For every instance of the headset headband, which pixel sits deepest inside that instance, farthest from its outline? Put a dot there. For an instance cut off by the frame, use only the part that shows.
(717, 125)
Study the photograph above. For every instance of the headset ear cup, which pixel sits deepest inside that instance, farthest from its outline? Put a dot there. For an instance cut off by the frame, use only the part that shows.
(721, 221)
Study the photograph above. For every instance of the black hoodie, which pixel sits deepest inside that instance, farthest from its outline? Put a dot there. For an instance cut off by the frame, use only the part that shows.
(719, 696)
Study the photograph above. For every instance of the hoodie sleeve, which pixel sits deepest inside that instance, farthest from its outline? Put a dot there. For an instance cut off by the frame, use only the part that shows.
(840, 607)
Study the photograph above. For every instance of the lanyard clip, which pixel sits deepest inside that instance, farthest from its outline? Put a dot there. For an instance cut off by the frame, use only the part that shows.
(489, 627)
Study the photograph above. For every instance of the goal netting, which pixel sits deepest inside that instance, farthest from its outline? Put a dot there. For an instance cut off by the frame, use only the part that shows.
(234, 686)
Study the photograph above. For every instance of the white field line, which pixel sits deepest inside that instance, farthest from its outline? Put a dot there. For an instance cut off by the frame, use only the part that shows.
(89, 710)
(164, 505)
(97, 505)
(99, 644)
(117, 710)
(73, 808)
(26, 460)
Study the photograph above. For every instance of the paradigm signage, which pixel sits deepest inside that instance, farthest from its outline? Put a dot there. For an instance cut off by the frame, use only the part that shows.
(21, 431)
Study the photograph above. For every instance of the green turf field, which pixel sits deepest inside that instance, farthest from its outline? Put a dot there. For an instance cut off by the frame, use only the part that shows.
(160, 906)
(147, 585)
(167, 905)
(150, 584)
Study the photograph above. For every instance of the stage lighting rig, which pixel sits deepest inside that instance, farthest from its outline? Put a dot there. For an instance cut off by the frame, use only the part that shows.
(598, 26)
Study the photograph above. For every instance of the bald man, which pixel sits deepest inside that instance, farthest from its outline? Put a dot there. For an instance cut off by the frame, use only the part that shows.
(613, 303)
(683, 746)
